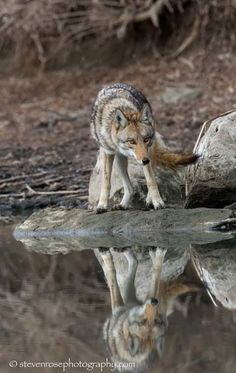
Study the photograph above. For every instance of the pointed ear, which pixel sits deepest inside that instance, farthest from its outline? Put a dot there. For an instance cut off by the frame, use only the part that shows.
(120, 119)
(147, 115)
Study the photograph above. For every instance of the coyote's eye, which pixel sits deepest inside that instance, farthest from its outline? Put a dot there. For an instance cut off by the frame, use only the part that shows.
(147, 139)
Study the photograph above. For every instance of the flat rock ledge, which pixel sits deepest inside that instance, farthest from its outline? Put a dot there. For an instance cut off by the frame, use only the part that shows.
(82, 222)
(79, 229)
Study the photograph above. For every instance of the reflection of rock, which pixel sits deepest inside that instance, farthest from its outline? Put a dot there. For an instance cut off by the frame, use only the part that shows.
(216, 266)
(170, 185)
(212, 181)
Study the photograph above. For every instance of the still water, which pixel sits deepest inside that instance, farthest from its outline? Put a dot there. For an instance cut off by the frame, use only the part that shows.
(142, 308)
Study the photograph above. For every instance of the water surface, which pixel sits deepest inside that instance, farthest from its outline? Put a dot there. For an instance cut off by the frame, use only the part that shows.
(55, 300)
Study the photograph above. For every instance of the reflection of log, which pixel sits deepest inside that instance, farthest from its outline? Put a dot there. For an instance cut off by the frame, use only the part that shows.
(58, 230)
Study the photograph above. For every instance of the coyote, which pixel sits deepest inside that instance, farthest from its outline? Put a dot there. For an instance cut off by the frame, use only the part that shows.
(123, 126)
(135, 331)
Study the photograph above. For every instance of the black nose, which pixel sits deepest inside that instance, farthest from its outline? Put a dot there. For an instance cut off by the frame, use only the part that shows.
(145, 161)
(154, 302)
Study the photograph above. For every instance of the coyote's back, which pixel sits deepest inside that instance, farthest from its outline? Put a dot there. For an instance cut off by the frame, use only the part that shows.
(119, 95)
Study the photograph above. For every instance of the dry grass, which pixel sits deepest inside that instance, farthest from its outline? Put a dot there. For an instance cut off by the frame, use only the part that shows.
(32, 29)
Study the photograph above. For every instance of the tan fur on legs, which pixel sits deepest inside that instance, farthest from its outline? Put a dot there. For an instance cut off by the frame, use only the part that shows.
(130, 291)
(122, 163)
(110, 274)
(107, 162)
(157, 257)
(153, 196)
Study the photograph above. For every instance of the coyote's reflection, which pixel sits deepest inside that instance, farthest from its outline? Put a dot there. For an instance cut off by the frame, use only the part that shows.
(135, 330)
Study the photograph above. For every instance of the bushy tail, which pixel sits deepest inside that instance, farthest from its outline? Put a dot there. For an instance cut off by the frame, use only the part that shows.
(166, 159)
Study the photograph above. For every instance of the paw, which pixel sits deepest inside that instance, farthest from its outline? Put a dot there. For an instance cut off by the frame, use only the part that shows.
(118, 207)
(159, 204)
(121, 249)
(156, 253)
(101, 210)
(155, 203)
(156, 206)
(104, 253)
(151, 248)
(158, 250)
(103, 250)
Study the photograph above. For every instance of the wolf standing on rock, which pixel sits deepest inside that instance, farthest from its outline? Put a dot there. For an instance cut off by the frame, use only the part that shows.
(123, 125)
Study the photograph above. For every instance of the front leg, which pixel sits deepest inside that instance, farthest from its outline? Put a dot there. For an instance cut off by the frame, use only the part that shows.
(110, 275)
(107, 161)
(122, 163)
(153, 197)
(157, 256)
(157, 292)
(130, 292)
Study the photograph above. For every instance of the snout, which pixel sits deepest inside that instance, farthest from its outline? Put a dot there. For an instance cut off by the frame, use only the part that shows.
(145, 161)
(150, 310)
